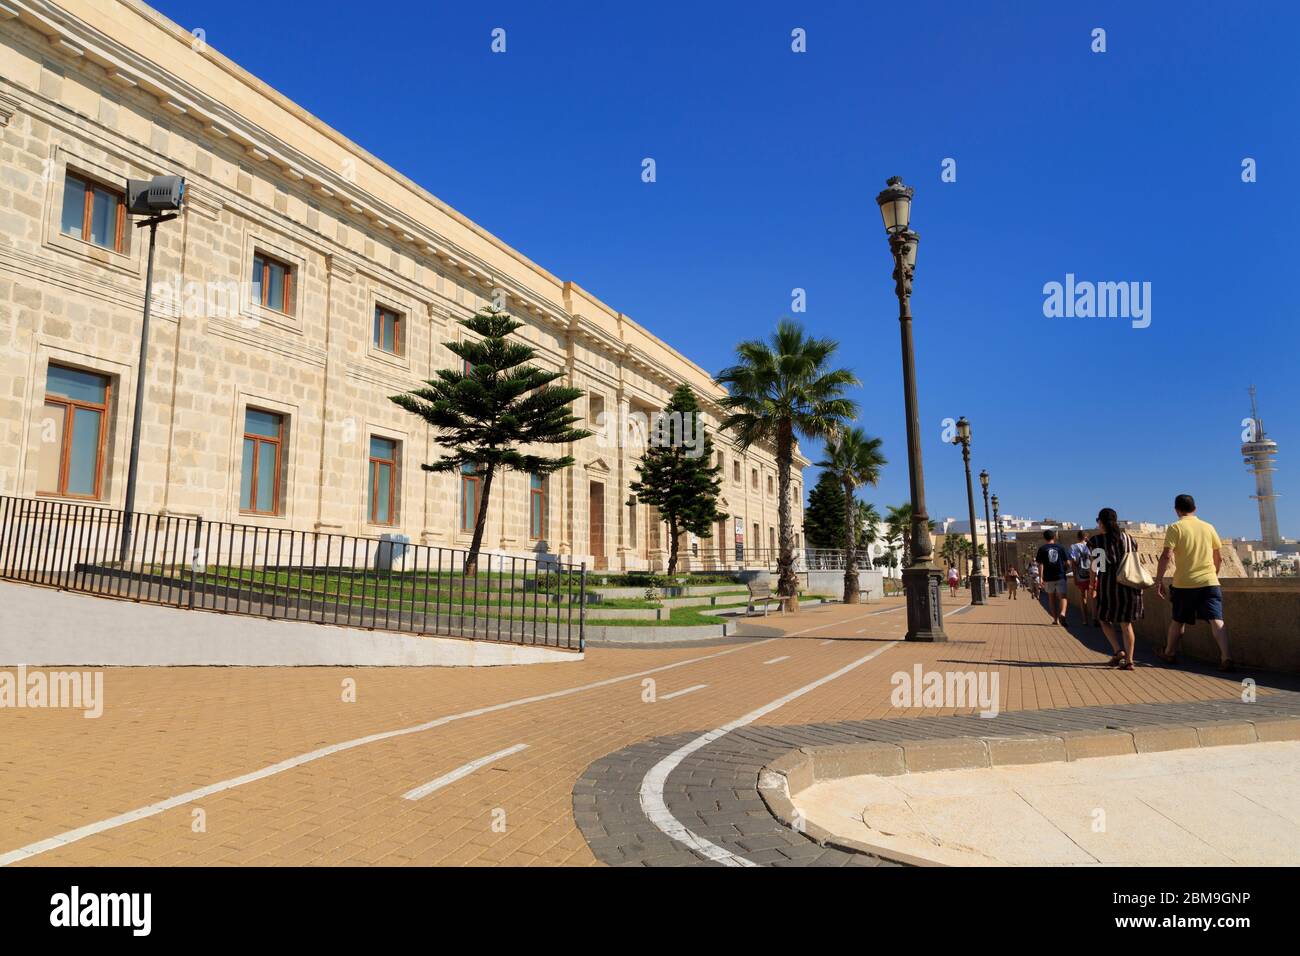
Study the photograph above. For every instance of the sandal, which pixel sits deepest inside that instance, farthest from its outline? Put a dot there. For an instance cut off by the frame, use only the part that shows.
(1126, 666)
(1170, 659)
(1117, 659)
(1227, 666)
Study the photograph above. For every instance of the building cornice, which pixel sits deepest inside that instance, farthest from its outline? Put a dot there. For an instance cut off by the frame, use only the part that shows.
(72, 38)
(275, 158)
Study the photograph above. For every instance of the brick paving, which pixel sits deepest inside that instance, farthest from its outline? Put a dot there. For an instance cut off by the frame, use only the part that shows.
(166, 732)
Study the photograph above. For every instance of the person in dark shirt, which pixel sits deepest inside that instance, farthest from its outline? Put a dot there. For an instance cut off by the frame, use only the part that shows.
(1053, 563)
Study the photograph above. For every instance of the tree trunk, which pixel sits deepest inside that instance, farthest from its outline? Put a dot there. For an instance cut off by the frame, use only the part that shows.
(851, 595)
(480, 522)
(672, 548)
(787, 584)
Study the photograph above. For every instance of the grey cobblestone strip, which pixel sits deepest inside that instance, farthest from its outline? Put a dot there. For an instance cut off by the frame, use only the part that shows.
(714, 791)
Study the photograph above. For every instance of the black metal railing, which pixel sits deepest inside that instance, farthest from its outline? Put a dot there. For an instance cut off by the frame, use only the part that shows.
(185, 561)
(708, 557)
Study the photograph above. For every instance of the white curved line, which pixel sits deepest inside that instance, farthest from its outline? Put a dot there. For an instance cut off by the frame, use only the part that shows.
(652, 786)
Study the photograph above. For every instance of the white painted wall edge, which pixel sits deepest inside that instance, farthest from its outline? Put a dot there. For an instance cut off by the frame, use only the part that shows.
(45, 627)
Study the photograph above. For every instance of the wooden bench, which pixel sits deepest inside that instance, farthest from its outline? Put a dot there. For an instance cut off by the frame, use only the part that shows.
(763, 592)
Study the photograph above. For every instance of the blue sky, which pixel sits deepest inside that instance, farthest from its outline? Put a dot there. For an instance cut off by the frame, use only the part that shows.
(1116, 166)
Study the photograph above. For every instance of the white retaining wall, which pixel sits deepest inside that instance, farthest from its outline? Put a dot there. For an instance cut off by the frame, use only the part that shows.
(45, 627)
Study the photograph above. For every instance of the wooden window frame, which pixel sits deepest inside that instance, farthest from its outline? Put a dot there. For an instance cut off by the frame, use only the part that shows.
(392, 484)
(88, 211)
(753, 479)
(534, 495)
(267, 262)
(257, 440)
(70, 405)
(473, 479)
(399, 330)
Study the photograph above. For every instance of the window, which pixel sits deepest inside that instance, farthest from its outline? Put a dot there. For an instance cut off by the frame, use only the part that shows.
(259, 490)
(757, 540)
(389, 331)
(536, 506)
(272, 284)
(631, 521)
(94, 213)
(771, 539)
(595, 408)
(383, 480)
(769, 484)
(753, 478)
(468, 496)
(735, 472)
(71, 459)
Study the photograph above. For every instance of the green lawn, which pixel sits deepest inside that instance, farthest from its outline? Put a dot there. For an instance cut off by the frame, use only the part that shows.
(487, 597)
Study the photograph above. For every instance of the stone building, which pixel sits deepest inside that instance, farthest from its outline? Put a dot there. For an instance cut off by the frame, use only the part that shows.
(304, 282)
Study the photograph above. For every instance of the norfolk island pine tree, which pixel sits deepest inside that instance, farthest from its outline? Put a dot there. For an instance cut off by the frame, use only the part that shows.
(483, 417)
(682, 483)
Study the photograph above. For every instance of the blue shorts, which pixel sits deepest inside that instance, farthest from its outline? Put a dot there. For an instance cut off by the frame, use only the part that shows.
(1191, 604)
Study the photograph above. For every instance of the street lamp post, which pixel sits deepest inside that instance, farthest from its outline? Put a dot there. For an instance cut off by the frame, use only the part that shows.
(921, 579)
(997, 530)
(977, 582)
(160, 199)
(995, 576)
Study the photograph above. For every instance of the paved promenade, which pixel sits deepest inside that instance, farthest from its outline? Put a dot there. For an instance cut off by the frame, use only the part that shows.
(489, 766)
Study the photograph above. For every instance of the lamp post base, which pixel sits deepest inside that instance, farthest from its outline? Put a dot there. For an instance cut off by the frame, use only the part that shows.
(995, 586)
(924, 604)
(978, 589)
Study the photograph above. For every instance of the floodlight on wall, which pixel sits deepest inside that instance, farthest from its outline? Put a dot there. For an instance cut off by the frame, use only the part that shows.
(148, 197)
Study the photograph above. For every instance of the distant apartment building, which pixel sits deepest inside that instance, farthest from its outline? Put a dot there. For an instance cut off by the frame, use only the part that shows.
(304, 282)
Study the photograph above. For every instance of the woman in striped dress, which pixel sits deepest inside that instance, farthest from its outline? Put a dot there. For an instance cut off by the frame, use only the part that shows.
(1118, 605)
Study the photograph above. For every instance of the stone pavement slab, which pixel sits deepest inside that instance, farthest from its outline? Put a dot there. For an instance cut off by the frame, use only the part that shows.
(169, 732)
(1208, 807)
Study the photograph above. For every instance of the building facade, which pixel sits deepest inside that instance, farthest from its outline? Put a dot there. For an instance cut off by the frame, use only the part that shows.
(303, 283)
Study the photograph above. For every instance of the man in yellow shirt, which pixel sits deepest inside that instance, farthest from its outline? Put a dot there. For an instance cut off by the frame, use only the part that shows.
(1195, 547)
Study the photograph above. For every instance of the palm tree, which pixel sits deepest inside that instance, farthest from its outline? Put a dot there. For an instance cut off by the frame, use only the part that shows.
(868, 519)
(778, 389)
(952, 548)
(898, 524)
(854, 458)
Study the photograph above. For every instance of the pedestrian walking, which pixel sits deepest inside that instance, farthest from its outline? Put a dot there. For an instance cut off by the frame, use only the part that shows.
(1053, 563)
(1195, 548)
(954, 579)
(1118, 605)
(1084, 581)
(1013, 582)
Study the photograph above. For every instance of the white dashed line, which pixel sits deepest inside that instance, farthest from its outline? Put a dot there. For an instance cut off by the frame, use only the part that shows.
(153, 809)
(679, 693)
(652, 786)
(462, 771)
(778, 660)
